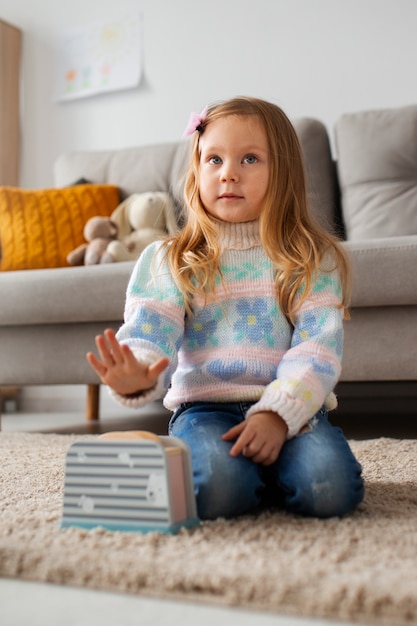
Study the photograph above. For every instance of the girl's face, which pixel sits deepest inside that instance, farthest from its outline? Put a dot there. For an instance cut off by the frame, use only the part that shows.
(234, 168)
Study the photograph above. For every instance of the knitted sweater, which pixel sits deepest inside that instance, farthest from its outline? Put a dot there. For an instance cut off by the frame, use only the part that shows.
(239, 346)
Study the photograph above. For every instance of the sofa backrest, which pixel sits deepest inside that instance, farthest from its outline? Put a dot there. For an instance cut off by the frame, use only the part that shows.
(133, 170)
(322, 186)
(161, 167)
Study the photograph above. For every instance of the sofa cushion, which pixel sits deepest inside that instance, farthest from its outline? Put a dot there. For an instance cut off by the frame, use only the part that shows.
(377, 164)
(38, 228)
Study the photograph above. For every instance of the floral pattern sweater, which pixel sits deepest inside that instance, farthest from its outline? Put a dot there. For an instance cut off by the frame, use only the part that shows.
(239, 346)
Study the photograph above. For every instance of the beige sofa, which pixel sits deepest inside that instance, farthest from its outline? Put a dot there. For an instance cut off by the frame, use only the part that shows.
(49, 318)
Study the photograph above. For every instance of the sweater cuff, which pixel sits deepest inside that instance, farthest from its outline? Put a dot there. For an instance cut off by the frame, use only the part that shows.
(292, 410)
(142, 398)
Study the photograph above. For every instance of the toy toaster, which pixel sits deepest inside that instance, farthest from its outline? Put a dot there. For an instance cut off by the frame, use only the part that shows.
(129, 481)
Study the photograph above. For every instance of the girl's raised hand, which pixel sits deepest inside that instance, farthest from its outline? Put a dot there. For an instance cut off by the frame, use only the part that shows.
(118, 368)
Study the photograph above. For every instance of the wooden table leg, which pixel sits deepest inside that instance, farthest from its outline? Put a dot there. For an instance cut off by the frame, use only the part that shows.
(93, 402)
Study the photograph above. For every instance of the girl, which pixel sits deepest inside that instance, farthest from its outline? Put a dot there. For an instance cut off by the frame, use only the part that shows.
(237, 320)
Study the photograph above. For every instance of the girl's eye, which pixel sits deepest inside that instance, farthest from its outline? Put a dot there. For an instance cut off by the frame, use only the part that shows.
(215, 160)
(250, 158)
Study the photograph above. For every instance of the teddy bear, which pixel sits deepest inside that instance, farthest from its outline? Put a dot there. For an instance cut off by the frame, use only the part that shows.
(98, 233)
(141, 219)
(138, 221)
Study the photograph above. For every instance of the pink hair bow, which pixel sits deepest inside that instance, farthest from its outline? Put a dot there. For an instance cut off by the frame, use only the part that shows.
(195, 121)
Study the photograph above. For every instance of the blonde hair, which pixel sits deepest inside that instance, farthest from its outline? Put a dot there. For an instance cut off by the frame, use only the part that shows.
(293, 241)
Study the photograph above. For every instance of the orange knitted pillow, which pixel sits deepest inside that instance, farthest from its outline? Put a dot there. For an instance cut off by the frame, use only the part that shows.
(39, 227)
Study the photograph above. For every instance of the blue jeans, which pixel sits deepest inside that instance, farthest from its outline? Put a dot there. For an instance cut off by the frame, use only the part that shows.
(315, 474)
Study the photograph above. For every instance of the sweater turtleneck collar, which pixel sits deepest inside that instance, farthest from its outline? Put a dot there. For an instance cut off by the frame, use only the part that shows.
(239, 236)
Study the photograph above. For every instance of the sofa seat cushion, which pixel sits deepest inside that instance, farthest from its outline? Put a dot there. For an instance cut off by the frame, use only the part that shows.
(377, 164)
(38, 228)
(91, 293)
(384, 271)
(96, 293)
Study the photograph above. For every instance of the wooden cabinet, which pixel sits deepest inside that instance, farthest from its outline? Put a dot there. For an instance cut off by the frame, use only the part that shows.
(10, 54)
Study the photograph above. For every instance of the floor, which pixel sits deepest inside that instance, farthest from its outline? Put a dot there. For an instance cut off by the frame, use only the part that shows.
(35, 604)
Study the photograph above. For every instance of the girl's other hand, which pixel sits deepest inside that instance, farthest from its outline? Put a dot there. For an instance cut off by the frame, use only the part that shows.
(260, 437)
(118, 368)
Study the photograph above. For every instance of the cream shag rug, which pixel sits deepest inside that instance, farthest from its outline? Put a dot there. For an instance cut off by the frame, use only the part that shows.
(361, 568)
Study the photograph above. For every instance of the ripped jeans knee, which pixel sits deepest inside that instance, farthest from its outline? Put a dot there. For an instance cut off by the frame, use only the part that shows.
(317, 472)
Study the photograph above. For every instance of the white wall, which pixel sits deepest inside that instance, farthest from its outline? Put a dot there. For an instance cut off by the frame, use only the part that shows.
(316, 58)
